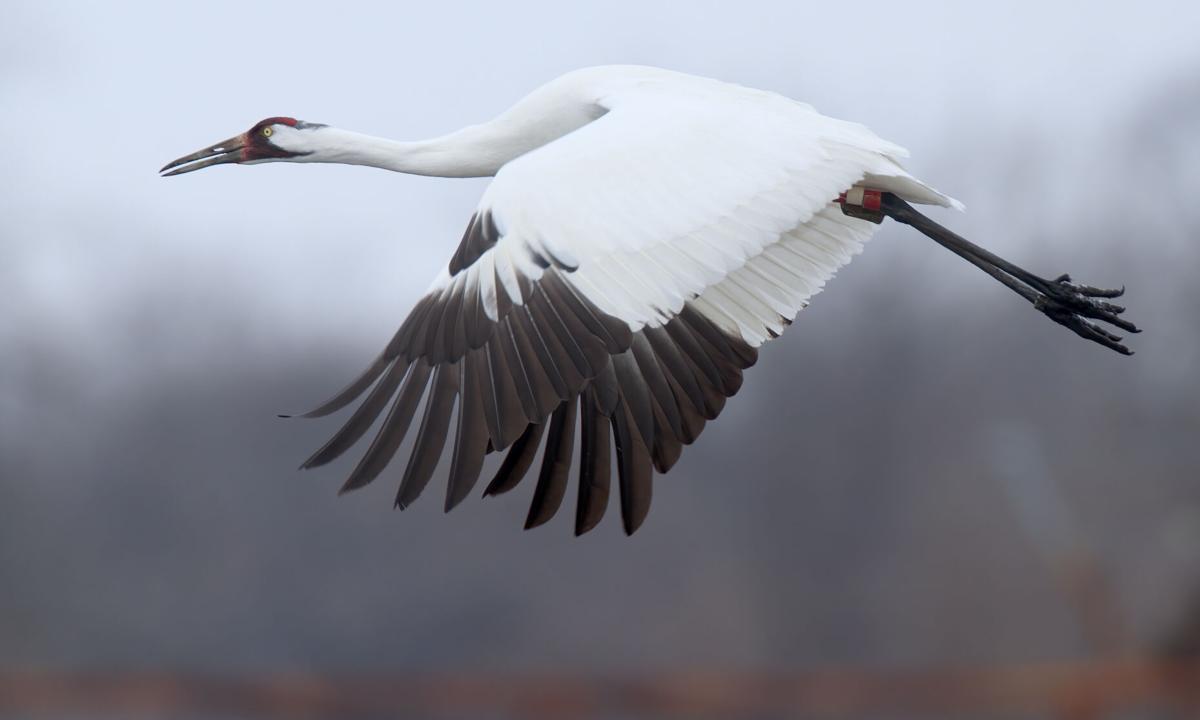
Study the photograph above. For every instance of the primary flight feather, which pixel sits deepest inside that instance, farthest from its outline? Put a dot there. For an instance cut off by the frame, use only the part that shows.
(645, 233)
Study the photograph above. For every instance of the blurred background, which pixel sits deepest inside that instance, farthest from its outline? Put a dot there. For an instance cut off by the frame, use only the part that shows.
(926, 501)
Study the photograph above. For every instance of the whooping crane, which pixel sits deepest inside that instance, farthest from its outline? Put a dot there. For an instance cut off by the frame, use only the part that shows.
(645, 233)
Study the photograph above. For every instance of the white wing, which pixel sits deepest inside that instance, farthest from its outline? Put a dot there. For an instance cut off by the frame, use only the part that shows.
(670, 192)
(627, 272)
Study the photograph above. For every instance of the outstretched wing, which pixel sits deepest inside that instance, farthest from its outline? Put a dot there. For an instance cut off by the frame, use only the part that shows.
(619, 278)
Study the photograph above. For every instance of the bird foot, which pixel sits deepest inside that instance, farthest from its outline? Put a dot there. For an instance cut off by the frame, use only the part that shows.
(1062, 301)
(1070, 305)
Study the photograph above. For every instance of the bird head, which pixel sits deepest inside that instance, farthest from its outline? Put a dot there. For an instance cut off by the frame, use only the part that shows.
(270, 140)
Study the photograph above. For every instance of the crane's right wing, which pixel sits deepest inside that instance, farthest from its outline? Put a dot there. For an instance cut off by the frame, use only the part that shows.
(624, 274)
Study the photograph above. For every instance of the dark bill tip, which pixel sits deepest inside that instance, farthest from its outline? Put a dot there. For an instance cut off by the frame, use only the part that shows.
(229, 151)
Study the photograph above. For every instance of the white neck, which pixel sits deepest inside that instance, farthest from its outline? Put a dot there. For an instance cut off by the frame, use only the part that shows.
(470, 152)
(475, 151)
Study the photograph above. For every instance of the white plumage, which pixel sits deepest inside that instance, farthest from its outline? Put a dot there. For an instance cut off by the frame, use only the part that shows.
(678, 186)
(645, 232)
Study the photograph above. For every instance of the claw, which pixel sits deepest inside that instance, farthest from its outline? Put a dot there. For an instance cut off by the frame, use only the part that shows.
(1111, 336)
(1064, 281)
(1066, 299)
(1095, 333)
(1070, 308)
(1123, 324)
(1099, 292)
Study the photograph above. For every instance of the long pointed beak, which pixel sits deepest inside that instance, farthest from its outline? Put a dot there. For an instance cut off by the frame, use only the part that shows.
(229, 151)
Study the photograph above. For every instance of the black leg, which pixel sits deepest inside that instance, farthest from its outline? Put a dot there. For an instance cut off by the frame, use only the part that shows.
(1059, 299)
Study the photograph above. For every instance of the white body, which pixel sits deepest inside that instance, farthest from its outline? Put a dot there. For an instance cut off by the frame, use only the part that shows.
(645, 232)
(661, 187)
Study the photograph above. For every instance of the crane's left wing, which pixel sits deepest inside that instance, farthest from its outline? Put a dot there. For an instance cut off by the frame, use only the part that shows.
(624, 275)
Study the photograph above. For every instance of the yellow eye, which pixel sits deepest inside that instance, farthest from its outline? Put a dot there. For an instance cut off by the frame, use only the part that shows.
(267, 132)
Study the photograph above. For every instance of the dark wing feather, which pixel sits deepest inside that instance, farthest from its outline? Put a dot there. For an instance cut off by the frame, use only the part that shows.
(543, 386)
(690, 348)
(476, 323)
(635, 395)
(613, 332)
(517, 462)
(656, 382)
(524, 380)
(556, 465)
(431, 438)
(595, 473)
(511, 417)
(674, 366)
(691, 418)
(395, 426)
(517, 365)
(470, 442)
(633, 470)
(480, 236)
(558, 356)
(581, 348)
(364, 415)
(667, 444)
(356, 387)
(447, 345)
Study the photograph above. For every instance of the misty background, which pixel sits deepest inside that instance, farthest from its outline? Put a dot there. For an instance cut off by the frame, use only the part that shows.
(912, 475)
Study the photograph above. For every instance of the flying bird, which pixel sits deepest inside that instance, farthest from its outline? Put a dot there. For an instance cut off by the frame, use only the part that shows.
(645, 232)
